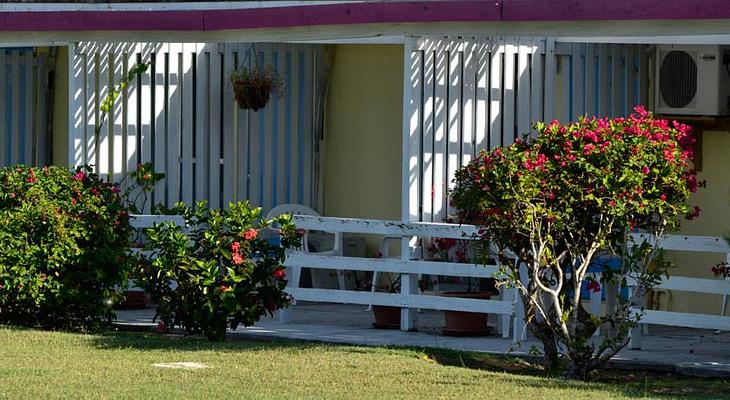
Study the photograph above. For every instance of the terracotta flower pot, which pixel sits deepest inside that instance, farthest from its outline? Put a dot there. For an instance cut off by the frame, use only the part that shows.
(386, 317)
(460, 323)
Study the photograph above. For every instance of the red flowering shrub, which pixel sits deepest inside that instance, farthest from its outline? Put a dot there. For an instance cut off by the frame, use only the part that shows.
(63, 239)
(218, 271)
(560, 199)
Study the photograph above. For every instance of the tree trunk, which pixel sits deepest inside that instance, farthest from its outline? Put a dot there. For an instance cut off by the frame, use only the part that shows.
(551, 361)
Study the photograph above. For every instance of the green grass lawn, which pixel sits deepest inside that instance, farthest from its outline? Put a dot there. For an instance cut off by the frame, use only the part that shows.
(39, 364)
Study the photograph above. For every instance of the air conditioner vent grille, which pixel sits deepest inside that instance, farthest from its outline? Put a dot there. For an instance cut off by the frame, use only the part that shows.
(678, 79)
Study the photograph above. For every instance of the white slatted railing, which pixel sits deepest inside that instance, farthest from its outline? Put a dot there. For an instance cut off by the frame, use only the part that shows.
(704, 244)
(181, 116)
(23, 113)
(468, 94)
(407, 267)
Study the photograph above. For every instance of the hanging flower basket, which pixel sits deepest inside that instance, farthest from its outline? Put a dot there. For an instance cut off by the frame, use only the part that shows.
(254, 87)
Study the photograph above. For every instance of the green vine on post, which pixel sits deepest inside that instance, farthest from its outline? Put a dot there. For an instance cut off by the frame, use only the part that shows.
(108, 103)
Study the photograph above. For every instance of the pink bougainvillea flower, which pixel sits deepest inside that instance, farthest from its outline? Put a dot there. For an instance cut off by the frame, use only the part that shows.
(236, 259)
(235, 247)
(645, 170)
(115, 189)
(250, 234)
(161, 328)
(80, 176)
(594, 286)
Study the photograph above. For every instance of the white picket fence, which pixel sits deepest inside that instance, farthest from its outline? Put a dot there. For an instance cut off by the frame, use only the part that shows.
(703, 244)
(23, 113)
(408, 266)
(181, 116)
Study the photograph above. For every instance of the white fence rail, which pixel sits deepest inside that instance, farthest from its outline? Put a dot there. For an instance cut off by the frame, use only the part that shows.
(408, 299)
(705, 244)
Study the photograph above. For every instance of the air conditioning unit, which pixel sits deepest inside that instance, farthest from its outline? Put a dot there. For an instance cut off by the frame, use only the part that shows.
(692, 80)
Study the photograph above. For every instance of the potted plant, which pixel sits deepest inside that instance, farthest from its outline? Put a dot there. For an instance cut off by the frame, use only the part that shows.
(253, 87)
(461, 323)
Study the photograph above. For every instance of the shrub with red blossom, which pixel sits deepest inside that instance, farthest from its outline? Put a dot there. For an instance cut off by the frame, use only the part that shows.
(567, 195)
(63, 241)
(218, 271)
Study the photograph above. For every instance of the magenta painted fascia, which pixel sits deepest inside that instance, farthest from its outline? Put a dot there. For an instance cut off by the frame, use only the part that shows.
(364, 13)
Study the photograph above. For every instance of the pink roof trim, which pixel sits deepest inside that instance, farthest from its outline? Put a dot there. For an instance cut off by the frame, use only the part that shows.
(364, 13)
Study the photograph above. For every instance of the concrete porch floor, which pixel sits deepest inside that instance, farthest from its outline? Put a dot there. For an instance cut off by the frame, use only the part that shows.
(687, 351)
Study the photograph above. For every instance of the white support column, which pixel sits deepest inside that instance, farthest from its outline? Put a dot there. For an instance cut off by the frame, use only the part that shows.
(410, 169)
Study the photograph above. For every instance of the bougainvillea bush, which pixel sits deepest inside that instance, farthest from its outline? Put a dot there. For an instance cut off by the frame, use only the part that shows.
(575, 191)
(63, 238)
(219, 270)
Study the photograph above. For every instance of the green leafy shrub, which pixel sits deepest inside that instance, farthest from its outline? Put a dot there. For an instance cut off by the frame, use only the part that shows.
(63, 240)
(218, 271)
(572, 193)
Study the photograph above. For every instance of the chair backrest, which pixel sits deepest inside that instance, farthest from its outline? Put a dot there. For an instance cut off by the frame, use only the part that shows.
(295, 209)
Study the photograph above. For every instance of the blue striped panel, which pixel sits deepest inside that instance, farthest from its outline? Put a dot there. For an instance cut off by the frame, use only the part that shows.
(570, 88)
(9, 112)
(287, 128)
(262, 138)
(22, 129)
(300, 130)
(597, 83)
(275, 136)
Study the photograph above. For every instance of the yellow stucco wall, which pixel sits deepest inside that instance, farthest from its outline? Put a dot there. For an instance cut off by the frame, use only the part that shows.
(714, 200)
(363, 124)
(60, 109)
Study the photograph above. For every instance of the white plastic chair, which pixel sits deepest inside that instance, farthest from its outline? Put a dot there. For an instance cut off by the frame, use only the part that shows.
(298, 209)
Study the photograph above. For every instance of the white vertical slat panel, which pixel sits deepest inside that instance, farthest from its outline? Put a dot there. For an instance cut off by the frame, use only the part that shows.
(4, 136)
(308, 134)
(590, 81)
(296, 50)
(76, 101)
(643, 75)
(482, 97)
(549, 81)
(495, 94)
(412, 109)
(454, 113)
(468, 101)
(103, 84)
(578, 99)
(129, 117)
(202, 123)
(214, 126)
(15, 108)
(563, 92)
(29, 114)
(429, 60)
(146, 105)
(124, 147)
(508, 102)
(440, 132)
(230, 108)
(39, 111)
(523, 87)
(282, 162)
(604, 91)
(161, 142)
(111, 117)
(629, 55)
(267, 134)
(188, 108)
(537, 68)
(174, 118)
(116, 118)
(616, 83)
(250, 144)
